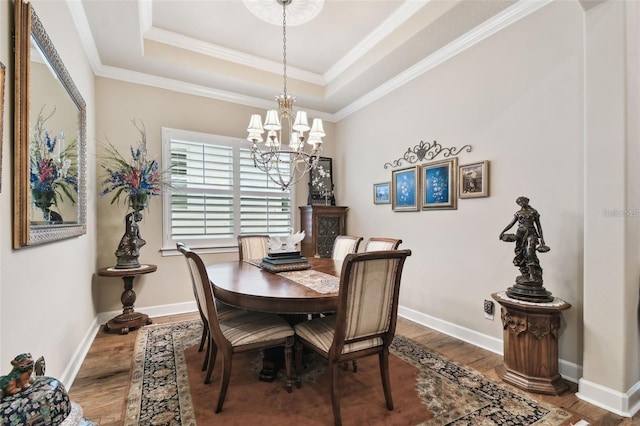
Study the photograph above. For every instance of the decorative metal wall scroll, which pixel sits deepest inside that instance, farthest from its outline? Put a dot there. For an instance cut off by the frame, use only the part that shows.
(425, 152)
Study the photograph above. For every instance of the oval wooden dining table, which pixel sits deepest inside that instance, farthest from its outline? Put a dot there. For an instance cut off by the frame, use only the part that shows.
(245, 285)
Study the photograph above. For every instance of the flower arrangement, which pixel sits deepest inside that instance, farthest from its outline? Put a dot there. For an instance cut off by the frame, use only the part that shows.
(53, 166)
(136, 179)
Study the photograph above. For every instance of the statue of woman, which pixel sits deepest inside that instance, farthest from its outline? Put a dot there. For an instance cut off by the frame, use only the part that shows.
(528, 239)
(130, 243)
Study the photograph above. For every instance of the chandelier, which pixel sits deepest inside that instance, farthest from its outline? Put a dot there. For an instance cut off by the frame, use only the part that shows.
(282, 156)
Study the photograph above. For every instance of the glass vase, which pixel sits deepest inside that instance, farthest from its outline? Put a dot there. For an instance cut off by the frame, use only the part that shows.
(138, 202)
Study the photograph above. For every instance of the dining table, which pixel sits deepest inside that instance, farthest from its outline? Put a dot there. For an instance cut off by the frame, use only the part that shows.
(245, 285)
(292, 294)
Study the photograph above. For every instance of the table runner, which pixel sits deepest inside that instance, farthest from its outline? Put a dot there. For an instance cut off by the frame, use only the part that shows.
(315, 280)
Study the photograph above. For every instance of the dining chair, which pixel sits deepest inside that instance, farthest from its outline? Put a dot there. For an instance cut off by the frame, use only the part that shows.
(252, 246)
(235, 330)
(343, 245)
(365, 320)
(379, 243)
(220, 306)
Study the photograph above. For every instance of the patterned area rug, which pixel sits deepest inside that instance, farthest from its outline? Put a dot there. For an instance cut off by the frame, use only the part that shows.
(450, 394)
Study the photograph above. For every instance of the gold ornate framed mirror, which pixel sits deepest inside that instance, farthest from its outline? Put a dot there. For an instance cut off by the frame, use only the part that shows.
(49, 139)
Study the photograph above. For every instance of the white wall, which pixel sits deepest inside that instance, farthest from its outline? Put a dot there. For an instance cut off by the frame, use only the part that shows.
(517, 99)
(47, 303)
(612, 243)
(118, 104)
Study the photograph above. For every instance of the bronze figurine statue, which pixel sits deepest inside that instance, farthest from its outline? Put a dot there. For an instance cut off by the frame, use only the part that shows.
(130, 243)
(529, 241)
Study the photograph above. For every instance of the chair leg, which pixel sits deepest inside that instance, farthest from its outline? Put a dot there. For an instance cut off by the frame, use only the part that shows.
(335, 398)
(298, 364)
(384, 375)
(288, 349)
(224, 383)
(203, 338)
(207, 354)
(355, 365)
(213, 354)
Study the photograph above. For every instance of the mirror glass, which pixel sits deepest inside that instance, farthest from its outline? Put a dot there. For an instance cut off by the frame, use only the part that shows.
(50, 195)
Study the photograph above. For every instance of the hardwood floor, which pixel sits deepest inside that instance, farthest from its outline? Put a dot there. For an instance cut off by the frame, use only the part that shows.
(102, 383)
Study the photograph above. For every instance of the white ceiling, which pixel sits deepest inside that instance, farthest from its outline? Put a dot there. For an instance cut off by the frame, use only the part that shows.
(353, 52)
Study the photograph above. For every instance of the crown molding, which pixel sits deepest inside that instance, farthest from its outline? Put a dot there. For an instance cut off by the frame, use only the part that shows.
(231, 55)
(509, 16)
(81, 22)
(397, 18)
(144, 79)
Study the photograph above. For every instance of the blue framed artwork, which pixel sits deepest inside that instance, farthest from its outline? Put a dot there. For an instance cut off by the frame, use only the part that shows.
(439, 185)
(405, 192)
(382, 193)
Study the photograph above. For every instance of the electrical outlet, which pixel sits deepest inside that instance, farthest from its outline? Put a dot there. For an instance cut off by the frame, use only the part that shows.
(488, 309)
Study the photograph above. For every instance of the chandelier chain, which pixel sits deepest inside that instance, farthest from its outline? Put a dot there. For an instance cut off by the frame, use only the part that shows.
(284, 47)
(284, 159)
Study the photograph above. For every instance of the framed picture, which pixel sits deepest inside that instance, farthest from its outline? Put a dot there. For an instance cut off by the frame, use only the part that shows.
(321, 183)
(473, 180)
(1, 116)
(382, 193)
(404, 189)
(439, 185)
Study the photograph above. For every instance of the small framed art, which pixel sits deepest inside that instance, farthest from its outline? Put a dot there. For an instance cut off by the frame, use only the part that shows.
(473, 180)
(382, 193)
(321, 183)
(404, 189)
(439, 185)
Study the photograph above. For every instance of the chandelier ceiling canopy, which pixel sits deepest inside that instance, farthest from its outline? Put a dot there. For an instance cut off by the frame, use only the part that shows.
(298, 11)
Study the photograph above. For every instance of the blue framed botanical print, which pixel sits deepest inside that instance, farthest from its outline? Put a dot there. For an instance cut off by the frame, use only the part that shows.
(405, 192)
(382, 193)
(439, 189)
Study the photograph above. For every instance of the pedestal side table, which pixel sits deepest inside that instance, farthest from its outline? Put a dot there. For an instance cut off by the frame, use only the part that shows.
(129, 318)
(530, 340)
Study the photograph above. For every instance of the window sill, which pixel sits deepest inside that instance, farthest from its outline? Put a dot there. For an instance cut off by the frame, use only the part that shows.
(172, 251)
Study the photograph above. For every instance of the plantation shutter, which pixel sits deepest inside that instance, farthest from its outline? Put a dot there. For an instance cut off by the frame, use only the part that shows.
(218, 193)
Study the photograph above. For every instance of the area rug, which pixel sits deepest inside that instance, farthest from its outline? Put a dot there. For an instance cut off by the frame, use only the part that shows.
(167, 388)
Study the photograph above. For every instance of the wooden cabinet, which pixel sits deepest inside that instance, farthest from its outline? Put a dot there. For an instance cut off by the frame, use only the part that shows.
(321, 225)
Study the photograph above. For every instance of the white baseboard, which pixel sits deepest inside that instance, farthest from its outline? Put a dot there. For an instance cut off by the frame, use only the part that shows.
(153, 311)
(70, 373)
(477, 339)
(623, 404)
(567, 370)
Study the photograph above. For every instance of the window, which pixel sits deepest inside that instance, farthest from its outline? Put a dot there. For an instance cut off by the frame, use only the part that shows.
(218, 193)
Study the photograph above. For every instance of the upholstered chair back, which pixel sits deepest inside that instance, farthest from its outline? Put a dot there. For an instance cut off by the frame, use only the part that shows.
(252, 246)
(379, 244)
(196, 280)
(343, 245)
(369, 297)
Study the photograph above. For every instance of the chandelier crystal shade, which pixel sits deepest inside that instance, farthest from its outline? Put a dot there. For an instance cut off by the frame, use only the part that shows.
(283, 153)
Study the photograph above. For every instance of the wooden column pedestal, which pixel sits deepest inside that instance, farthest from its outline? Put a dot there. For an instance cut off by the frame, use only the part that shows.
(530, 341)
(129, 319)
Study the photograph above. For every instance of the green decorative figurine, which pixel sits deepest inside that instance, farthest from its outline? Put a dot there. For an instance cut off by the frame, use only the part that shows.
(20, 376)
